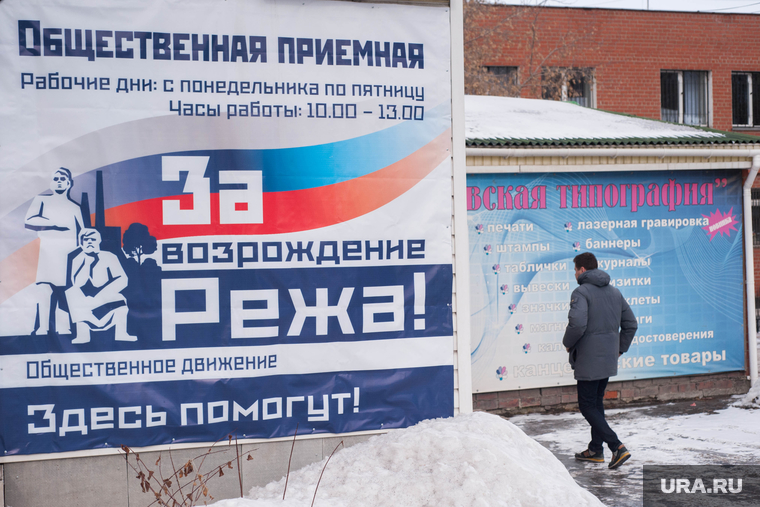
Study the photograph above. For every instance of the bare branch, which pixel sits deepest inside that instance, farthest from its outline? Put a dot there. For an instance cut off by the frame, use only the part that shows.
(518, 51)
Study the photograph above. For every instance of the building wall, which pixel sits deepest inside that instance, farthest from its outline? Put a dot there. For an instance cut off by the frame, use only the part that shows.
(627, 49)
(110, 480)
(618, 393)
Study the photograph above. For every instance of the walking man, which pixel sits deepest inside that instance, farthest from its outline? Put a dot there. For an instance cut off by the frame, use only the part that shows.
(600, 329)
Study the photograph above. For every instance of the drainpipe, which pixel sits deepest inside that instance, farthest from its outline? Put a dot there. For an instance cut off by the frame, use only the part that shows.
(750, 270)
(662, 153)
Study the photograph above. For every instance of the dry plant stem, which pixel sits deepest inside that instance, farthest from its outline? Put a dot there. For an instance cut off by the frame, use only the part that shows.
(323, 471)
(240, 472)
(287, 476)
(172, 491)
(519, 37)
(179, 486)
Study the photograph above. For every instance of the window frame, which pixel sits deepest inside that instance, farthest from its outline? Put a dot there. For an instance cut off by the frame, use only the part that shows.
(753, 99)
(510, 78)
(681, 96)
(755, 207)
(586, 74)
(512, 72)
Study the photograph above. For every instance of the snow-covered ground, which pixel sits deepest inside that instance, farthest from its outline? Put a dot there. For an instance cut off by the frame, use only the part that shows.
(700, 432)
(664, 439)
(483, 460)
(752, 398)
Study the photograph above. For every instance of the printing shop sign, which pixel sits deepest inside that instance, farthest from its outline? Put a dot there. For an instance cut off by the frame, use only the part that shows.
(228, 218)
(670, 241)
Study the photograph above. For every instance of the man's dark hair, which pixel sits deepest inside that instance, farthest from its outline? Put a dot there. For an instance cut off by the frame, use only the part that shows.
(66, 173)
(585, 260)
(64, 170)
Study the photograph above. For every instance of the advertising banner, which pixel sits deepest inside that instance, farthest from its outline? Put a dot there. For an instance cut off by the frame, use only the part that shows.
(670, 241)
(222, 218)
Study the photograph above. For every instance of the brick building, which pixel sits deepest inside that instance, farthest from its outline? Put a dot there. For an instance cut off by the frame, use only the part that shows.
(692, 68)
(537, 142)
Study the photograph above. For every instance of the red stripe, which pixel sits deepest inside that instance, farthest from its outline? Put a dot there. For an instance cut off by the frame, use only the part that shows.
(298, 210)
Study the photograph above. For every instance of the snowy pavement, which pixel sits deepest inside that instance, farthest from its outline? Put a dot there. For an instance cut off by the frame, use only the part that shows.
(483, 460)
(701, 432)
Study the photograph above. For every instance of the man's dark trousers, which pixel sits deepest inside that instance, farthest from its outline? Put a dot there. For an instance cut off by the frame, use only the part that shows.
(591, 403)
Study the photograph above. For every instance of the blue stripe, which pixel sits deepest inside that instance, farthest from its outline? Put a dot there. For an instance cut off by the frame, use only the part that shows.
(387, 399)
(283, 169)
(327, 164)
(145, 316)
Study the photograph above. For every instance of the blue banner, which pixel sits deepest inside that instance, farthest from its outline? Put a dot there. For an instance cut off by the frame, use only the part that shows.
(670, 241)
(222, 229)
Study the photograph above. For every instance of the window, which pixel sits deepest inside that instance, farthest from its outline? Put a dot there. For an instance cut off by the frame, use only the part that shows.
(756, 241)
(745, 93)
(567, 84)
(507, 75)
(684, 97)
(501, 80)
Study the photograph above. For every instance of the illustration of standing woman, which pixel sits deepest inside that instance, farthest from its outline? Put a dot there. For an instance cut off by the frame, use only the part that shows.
(57, 219)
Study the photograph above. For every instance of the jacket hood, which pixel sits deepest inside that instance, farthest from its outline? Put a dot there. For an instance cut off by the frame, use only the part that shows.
(594, 276)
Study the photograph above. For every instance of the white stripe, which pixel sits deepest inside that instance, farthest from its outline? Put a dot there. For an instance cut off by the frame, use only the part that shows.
(291, 359)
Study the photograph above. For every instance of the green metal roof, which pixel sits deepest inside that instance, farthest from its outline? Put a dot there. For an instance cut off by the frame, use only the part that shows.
(730, 138)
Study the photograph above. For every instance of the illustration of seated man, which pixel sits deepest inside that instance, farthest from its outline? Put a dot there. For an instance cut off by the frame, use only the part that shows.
(57, 219)
(95, 300)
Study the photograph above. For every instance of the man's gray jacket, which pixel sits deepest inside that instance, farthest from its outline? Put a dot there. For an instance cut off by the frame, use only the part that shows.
(600, 328)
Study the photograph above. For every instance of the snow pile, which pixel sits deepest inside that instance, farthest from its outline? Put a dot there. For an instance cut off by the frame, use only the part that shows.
(473, 459)
(751, 399)
(511, 118)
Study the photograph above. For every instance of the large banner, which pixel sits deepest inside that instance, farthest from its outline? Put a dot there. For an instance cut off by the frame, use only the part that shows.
(670, 241)
(222, 218)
